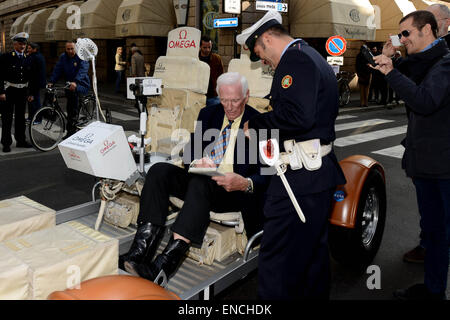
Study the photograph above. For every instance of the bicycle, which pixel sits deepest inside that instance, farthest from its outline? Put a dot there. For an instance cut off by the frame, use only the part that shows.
(49, 124)
(343, 79)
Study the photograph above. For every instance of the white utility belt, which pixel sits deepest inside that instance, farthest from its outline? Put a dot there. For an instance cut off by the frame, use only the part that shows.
(307, 154)
(15, 85)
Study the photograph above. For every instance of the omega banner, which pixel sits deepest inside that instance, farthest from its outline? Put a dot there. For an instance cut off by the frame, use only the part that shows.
(183, 41)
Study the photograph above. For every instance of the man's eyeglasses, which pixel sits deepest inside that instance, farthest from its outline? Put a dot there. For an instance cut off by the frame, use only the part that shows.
(232, 101)
(404, 33)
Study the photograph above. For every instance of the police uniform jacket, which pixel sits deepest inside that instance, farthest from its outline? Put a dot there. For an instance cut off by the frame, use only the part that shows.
(304, 98)
(74, 70)
(15, 70)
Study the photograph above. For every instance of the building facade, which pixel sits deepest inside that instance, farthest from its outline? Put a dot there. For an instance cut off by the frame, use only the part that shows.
(145, 23)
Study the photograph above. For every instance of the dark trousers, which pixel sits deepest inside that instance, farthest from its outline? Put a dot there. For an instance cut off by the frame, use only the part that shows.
(294, 258)
(433, 198)
(15, 105)
(73, 109)
(34, 105)
(200, 193)
(119, 75)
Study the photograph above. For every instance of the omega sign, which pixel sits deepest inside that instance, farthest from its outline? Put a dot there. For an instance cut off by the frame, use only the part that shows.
(107, 146)
(182, 42)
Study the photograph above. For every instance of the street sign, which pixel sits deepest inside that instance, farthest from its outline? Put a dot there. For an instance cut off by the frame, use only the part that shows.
(336, 46)
(232, 6)
(337, 61)
(269, 5)
(225, 23)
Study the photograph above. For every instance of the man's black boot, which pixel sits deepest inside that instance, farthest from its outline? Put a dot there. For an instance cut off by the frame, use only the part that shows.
(168, 261)
(144, 245)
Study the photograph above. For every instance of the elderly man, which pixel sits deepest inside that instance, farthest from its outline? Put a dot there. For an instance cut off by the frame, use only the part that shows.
(294, 258)
(74, 71)
(15, 89)
(240, 188)
(425, 87)
(442, 14)
(137, 63)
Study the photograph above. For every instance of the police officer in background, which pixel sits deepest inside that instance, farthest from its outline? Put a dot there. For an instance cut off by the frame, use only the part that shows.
(74, 71)
(15, 86)
(294, 257)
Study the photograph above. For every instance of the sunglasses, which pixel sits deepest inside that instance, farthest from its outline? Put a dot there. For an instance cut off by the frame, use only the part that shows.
(404, 33)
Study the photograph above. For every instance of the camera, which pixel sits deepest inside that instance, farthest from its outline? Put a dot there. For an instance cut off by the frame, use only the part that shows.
(368, 55)
(143, 86)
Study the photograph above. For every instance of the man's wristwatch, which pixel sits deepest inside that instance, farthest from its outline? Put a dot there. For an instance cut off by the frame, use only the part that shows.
(249, 186)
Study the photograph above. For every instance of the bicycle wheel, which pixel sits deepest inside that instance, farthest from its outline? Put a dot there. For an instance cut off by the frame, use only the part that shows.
(87, 110)
(47, 129)
(344, 94)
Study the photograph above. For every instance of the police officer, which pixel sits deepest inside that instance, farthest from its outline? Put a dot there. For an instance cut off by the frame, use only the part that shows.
(74, 71)
(294, 258)
(14, 90)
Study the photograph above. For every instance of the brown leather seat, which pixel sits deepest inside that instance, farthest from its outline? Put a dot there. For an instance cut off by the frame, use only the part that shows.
(117, 287)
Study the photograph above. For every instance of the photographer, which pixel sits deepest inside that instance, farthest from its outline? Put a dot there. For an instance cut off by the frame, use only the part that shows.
(427, 158)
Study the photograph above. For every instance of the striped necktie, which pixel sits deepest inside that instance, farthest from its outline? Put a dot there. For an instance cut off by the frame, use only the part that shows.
(220, 147)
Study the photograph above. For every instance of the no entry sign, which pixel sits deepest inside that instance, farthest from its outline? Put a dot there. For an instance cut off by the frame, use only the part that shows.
(336, 46)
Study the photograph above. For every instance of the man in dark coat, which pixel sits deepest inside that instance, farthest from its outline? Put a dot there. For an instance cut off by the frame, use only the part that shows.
(15, 88)
(442, 14)
(240, 188)
(426, 92)
(294, 257)
(38, 77)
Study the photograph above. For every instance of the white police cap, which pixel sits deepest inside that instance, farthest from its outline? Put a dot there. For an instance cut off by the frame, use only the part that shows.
(250, 35)
(21, 37)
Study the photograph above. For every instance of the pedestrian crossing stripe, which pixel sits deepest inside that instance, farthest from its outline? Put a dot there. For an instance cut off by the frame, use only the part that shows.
(345, 117)
(369, 136)
(394, 152)
(360, 124)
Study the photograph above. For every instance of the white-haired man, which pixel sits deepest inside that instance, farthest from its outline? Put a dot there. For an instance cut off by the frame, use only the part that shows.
(442, 14)
(239, 189)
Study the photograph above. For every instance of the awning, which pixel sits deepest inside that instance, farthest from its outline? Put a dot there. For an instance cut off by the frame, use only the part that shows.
(17, 25)
(98, 19)
(351, 19)
(388, 14)
(35, 24)
(421, 4)
(145, 18)
(56, 27)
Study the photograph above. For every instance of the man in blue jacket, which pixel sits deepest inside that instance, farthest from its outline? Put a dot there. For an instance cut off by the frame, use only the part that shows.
(74, 71)
(38, 76)
(422, 80)
(294, 257)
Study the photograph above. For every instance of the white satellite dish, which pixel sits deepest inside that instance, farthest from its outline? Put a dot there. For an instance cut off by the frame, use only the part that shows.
(87, 50)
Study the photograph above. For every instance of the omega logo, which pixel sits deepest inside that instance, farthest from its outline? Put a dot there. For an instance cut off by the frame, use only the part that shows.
(126, 15)
(354, 15)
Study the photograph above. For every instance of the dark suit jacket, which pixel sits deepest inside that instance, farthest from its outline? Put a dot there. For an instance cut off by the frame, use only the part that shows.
(212, 117)
(38, 70)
